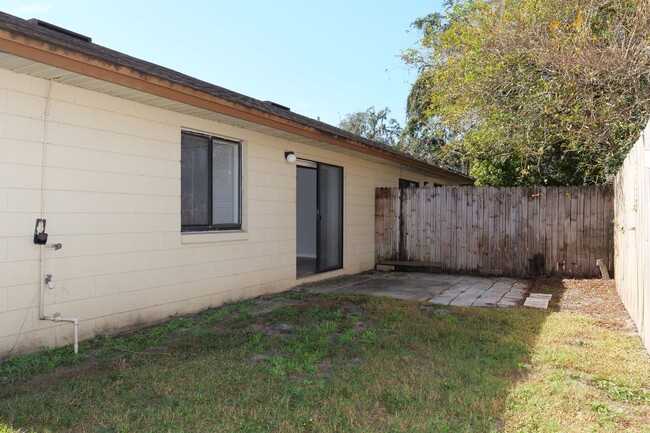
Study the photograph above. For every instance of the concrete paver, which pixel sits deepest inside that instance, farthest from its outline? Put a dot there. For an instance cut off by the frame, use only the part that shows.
(538, 300)
(508, 302)
(462, 302)
(441, 289)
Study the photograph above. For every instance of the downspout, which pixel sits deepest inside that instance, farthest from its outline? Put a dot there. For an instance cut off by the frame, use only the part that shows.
(46, 281)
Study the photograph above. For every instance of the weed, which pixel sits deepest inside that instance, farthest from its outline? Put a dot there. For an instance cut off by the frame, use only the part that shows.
(256, 340)
(278, 365)
(369, 337)
(395, 316)
(353, 319)
(254, 426)
(348, 336)
(605, 411)
(622, 393)
(306, 362)
(325, 328)
(318, 313)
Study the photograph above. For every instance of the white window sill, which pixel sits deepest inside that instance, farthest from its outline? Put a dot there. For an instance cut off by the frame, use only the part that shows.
(202, 237)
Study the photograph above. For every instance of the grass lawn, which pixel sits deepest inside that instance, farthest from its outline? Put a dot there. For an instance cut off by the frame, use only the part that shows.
(300, 362)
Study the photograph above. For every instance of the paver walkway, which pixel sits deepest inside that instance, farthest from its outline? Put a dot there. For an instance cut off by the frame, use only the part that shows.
(444, 289)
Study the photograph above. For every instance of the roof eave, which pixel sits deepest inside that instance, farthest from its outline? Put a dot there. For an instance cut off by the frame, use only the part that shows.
(48, 53)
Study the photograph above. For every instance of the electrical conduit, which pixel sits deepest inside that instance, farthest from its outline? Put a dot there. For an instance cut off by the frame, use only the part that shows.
(41, 305)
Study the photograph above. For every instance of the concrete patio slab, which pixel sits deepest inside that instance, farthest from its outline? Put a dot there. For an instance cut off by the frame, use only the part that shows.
(441, 289)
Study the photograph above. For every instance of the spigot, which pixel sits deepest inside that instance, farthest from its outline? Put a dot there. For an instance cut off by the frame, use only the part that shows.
(56, 246)
(48, 281)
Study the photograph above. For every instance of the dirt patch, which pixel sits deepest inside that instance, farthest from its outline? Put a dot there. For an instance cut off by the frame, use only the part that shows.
(595, 298)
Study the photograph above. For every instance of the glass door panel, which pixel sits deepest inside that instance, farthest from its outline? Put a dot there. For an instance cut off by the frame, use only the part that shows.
(330, 217)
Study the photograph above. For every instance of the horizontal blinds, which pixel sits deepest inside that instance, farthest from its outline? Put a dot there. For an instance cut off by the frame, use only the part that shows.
(195, 191)
(225, 183)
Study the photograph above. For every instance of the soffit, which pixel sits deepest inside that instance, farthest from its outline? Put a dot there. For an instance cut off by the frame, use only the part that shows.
(28, 67)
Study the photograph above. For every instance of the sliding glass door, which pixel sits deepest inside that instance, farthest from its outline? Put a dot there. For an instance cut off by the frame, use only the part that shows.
(319, 225)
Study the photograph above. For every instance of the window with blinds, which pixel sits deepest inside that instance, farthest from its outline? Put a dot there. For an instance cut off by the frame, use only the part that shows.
(210, 183)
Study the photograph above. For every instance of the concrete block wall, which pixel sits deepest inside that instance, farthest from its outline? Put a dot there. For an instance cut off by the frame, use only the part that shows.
(112, 198)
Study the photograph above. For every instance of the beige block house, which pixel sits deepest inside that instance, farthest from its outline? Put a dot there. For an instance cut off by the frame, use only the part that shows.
(168, 195)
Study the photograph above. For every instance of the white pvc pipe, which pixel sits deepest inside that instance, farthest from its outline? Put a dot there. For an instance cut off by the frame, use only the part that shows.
(74, 321)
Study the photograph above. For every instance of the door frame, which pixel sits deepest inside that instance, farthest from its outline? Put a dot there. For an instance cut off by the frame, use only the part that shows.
(315, 165)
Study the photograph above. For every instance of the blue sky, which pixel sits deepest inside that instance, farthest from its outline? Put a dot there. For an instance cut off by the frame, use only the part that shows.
(321, 58)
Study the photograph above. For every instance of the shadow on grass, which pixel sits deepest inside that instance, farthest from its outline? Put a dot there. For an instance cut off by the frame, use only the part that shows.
(316, 363)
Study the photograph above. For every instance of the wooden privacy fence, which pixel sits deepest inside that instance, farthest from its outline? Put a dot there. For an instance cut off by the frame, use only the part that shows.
(518, 232)
(632, 205)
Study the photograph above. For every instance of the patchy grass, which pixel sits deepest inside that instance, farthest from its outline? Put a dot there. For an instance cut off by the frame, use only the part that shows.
(588, 370)
(340, 363)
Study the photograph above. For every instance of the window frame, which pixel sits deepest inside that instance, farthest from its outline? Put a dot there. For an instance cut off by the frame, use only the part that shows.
(194, 228)
(406, 183)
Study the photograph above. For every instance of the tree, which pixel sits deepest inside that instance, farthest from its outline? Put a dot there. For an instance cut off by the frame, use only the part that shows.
(373, 125)
(532, 92)
(421, 138)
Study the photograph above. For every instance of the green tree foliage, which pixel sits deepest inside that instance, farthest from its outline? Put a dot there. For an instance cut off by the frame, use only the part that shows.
(374, 125)
(531, 92)
(379, 127)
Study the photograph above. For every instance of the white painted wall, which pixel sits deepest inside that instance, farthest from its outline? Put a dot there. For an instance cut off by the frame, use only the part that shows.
(112, 198)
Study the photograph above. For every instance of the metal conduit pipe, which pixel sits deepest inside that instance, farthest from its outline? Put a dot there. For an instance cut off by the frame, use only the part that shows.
(46, 116)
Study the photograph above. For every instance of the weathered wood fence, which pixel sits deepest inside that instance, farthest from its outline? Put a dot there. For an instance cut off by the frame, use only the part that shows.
(632, 239)
(519, 232)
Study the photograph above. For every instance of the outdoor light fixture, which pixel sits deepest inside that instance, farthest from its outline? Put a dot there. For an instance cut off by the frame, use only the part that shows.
(290, 157)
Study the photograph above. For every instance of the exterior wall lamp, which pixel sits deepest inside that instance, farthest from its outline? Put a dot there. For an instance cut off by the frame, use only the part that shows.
(290, 157)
